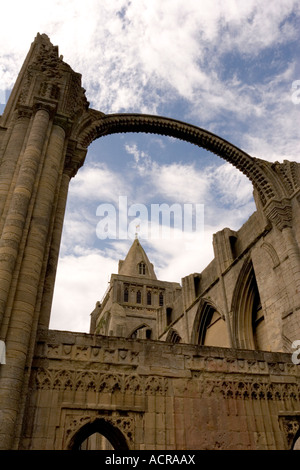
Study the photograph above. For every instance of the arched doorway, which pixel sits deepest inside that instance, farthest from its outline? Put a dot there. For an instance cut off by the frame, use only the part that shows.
(99, 434)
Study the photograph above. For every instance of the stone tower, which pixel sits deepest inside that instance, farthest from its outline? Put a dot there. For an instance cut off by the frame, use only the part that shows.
(136, 302)
(59, 388)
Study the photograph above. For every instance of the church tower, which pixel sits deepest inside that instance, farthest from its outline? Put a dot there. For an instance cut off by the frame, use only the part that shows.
(136, 304)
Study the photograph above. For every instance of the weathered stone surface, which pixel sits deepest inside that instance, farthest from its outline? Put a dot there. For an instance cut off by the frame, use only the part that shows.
(206, 364)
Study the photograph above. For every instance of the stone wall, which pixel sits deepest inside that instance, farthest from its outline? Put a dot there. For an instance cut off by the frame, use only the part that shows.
(158, 395)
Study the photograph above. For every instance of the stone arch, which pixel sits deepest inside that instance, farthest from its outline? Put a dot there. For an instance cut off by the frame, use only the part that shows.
(245, 302)
(102, 426)
(173, 336)
(143, 326)
(272, 253)
(205, 313)
(94, 124)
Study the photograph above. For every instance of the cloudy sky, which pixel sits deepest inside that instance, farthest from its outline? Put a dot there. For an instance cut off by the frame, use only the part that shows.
(230, 66)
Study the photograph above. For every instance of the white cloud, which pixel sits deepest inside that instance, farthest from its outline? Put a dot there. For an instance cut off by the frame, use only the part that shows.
(141, 56)
(81, 281)
(96, 182)
(121, 47)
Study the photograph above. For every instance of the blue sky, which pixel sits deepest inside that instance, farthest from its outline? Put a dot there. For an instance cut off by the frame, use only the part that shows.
(226, 66)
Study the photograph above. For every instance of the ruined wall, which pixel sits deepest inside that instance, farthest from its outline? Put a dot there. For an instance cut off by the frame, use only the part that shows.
(260, 246)
(160, 396)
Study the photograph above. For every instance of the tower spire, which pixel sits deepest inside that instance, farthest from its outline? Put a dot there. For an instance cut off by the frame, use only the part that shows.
(136, 256)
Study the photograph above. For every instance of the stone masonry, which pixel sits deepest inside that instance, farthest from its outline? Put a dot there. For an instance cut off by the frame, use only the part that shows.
(206, 364)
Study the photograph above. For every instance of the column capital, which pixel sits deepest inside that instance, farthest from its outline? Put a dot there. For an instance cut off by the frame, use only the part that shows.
(24, 111)
(64, 122)
(47, 105)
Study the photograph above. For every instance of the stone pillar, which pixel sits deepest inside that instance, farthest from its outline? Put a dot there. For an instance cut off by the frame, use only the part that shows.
(18, 212)
(45, 106)
(20, 323)
(10, 158)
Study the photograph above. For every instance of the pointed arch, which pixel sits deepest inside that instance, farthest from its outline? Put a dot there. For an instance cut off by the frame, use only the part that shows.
(209, 328)
(103, 427)
(249, 330)
(142, 328)
(142, 268)
(139, 297)
(173, 336)
(272, 253)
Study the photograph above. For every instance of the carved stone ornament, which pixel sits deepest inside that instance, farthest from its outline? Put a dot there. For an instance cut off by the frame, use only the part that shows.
(290, 426)
(75, 422)
(48, 77)
(254, 390)
(49, 379)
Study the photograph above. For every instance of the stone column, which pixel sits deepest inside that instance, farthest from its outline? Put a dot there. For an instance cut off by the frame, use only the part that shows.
(19, 327)
(10, 158)
(18, 212)
(37, 254)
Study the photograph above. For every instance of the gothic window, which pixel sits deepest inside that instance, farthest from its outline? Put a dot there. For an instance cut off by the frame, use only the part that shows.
(249, 327)
(126, 295)
(148, 298)
(142, 268)
(173, 336)
(142, 332)
(161, 299)
(257, 320)
(138, 297)
(214, 330)
(209, 327)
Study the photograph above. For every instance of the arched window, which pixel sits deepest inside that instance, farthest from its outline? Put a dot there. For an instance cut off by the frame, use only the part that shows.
(126, 294)
(138, 297)
(209, 327)
(249, 327)
(214, 330)
(149, 297)
(173, 336)
(142, 268)
(161, 299)
(141, 332)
